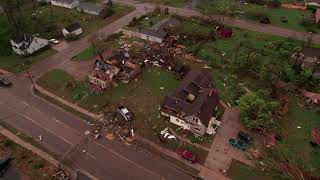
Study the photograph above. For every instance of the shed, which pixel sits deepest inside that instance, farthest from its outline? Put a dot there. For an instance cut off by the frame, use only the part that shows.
(74, 28)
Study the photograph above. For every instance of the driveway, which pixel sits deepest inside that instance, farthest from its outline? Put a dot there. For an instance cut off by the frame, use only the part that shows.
(221, 153)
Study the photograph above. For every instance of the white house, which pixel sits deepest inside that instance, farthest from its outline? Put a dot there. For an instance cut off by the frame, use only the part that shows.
(152, 35)
(312, 3)
(74, 29)
(70, 4)
(90, 8)
(27, 45)
(194, 106)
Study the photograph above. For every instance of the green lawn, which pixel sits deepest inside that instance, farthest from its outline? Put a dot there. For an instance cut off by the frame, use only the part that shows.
(148, 20)
(50, 26)
(15, 63)
(87, 54)
(229, 7)
(240, 171)
(297, 140)
(175, 3)
(64, 85)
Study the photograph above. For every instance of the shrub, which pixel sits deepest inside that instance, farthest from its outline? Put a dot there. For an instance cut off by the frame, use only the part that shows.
(106, 12)
(71, 37)
(38, 165)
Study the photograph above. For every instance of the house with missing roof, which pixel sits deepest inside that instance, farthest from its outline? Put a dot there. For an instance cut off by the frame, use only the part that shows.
(194, 105)
(90, 8)
(157, 33)
(70, 4)
(74, 29)
(103, 74)
(308, 58)
(27, 44)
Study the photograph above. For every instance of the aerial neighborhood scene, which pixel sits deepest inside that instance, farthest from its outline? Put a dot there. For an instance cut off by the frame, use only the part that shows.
(160, 89)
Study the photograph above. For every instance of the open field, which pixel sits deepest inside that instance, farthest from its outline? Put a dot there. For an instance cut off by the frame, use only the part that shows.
(251, 11)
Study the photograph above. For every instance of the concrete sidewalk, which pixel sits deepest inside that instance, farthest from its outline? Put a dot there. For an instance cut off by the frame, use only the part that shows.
(65, 102)
(29, 146)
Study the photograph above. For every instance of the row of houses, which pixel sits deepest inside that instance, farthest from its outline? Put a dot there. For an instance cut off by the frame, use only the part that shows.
(27, 44)
(89, 8)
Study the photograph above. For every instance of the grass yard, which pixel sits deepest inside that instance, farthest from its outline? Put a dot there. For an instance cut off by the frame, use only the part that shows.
(142, 97)
(230, 7)
(174, 3)
(15, 63)
(25, 161)
(50, 26)
(240, 171)
(148, 20)
(64, 85)
(87, 54)
(297, 140)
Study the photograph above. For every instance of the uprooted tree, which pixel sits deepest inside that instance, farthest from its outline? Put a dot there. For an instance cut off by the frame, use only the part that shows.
(256, 110)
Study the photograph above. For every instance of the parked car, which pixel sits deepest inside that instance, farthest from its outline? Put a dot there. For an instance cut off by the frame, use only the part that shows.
(54, 41)
(125, 113)
(4, 82)
(245, 137)
(237, 144)
(187, 154)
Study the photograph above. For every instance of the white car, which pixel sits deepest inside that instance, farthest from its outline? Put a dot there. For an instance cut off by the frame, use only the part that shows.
(125, 113)
(54, 41)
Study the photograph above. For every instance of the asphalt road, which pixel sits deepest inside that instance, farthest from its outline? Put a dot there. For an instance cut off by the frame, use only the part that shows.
(62, 132)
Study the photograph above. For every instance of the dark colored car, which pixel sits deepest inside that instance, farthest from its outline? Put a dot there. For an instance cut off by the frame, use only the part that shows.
(4, 82)
(188, 155)
(237, 144)
(245, 137)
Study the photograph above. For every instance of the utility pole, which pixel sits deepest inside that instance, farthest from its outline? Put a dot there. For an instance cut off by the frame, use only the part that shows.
(28, 75)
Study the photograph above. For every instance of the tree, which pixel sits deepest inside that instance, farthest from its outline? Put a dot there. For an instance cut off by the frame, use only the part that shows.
(256, 110)
(270, 72)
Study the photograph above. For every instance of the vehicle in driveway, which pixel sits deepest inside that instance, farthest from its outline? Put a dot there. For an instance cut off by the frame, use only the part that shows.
(245, 137)
(54, 41)
(187, 154)
(125, 113)
(237, 144)
(4, 82)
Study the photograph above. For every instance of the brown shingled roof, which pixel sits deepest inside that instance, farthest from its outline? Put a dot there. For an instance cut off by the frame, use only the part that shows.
(197, 83)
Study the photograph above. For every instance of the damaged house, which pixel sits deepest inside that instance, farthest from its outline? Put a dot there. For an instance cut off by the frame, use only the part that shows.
(308, 58)
(157, 33)
(102, 74)
(194, 105)
(118, 67)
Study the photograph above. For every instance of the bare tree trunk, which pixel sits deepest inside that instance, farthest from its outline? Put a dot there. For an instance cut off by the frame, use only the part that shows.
(34, 6)
(50, 9)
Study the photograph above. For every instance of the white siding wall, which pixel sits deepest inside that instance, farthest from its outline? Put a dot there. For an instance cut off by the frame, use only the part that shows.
(76, 32)
(69, 6)
(151, 38)
(87, 11)
(179, 122)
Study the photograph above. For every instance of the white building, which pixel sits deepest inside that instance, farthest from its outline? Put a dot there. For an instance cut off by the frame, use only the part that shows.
(90, 8)
(70, 4)
(74, 29)
(27, 45)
